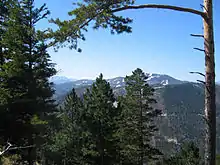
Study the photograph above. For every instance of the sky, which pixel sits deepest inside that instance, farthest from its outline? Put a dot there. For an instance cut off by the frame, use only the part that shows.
(160, 43)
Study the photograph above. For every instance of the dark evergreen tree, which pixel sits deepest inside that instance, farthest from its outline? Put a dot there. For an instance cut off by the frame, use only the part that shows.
(137, 126)
(66, 144)
(8, 21)
(24, 77)
(101, 117)
(3, 16)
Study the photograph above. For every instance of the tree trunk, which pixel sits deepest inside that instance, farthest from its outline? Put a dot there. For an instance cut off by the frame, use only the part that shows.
(141, 128)
(210, 107)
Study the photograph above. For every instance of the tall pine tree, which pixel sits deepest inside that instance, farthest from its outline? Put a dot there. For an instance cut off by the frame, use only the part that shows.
(138, 127)
(101, 123)
(3, 17)
(66, 143)
(24, 77)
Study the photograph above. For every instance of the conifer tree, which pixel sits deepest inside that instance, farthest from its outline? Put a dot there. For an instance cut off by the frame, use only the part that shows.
(101, 123)
(24, 77)
(138, 125)
(3, 16)
(67, 142)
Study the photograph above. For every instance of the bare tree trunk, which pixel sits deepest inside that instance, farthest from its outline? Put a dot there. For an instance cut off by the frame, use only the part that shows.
(210, 107)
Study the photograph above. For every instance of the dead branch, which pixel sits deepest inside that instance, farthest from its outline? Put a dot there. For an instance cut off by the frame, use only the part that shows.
(197, 35)
(203, 7)
(6, 149)
(9, 147)
(201, 50)
(198, 73)
(203, 82)
(200, 81)
(24, 147)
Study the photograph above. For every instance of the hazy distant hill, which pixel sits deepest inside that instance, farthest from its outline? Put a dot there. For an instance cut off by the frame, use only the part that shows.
(61, 79)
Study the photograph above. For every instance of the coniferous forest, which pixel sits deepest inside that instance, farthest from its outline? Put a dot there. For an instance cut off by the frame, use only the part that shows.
(97, 128)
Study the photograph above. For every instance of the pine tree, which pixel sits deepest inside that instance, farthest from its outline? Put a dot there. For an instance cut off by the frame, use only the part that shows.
(24, 77)
(101, 123)
(6, 64)
(67, 141)
(138, 125)
(3, 16)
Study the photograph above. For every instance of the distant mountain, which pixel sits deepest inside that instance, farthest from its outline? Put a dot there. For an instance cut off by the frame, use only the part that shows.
(117, 82)
(162, 79)
(64, 84)
(61, 79)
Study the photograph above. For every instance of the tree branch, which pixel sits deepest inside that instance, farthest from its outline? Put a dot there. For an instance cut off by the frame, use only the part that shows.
(6, 149)
(200, 81)
(202, 50)
(197, 35)
(198, 73)
(203, 7)
(9, 147)
(24, 147)
(158, 6)
(90, 19)
(183, 9)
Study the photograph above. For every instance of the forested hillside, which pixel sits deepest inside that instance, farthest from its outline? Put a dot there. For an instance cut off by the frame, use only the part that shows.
(182, 107)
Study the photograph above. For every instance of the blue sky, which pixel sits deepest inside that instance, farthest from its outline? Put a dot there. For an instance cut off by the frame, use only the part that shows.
(160, 43)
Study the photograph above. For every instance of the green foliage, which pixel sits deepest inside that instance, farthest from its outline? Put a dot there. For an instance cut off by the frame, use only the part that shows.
(217, 159)
(188, 155)
(101, 12)
(89, 130)
(11, 160)
(101, 122)
(67, 142)
(26, 93)
(137, 126)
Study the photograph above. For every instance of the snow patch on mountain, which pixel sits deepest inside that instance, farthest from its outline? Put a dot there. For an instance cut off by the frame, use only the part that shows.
(116, 82)
(164, 82)
(161, 79)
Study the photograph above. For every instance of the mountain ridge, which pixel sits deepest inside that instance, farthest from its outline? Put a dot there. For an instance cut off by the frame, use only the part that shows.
(152, 79)
(159, 80)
